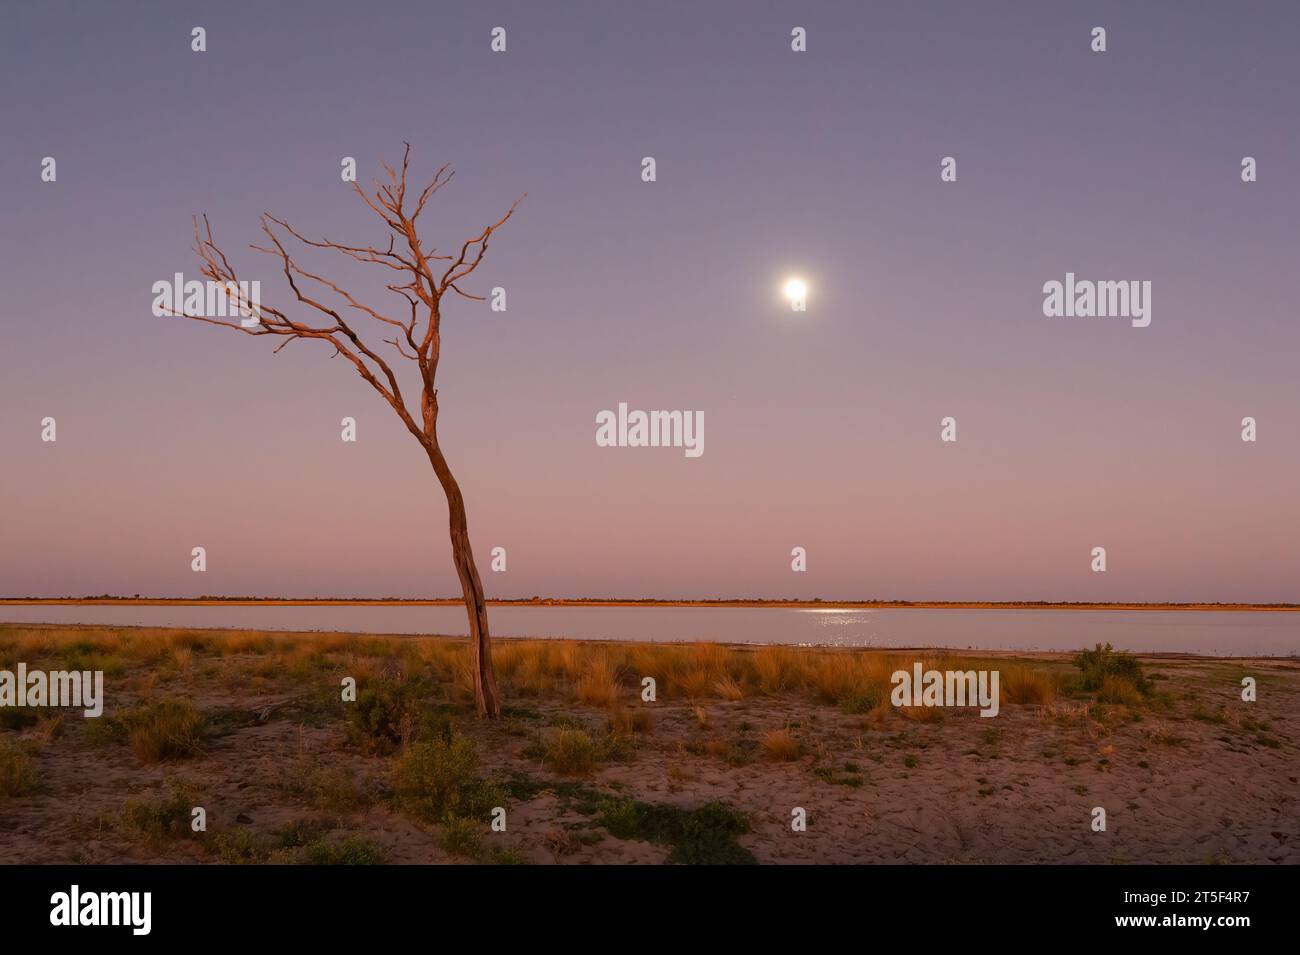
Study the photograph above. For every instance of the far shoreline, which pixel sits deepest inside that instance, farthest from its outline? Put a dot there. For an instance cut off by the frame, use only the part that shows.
(964, 653)
(627, 602)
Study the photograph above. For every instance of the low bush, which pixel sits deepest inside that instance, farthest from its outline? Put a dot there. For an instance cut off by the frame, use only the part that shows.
(437, 778)
(1097, 664)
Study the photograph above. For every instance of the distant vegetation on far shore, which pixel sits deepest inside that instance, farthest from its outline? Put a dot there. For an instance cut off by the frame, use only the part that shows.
(661, 602)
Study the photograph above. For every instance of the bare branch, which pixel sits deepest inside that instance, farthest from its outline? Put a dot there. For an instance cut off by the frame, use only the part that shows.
(477, 298)
(452, 275)
(420, 338)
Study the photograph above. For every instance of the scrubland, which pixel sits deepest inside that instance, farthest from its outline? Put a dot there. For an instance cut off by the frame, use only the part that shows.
(739, 742)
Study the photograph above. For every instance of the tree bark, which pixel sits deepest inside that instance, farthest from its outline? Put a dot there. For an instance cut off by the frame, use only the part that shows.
(486, 699)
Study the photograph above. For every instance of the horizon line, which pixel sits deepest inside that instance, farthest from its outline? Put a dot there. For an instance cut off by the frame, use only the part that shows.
(659, 601)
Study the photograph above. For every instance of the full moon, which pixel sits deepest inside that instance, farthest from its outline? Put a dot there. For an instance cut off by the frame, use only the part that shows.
(796, 289)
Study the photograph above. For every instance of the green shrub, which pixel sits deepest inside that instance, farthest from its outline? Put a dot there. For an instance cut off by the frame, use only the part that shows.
(240, 847)
(436, 778)
(462, 836)
(157, 819)
(332, 788)
(702, 836)
(162, 730)
(621, 818)
(301, 832)
(862, 700)
(618, 747)
(570, 752)
(350, 850)
(393, 713)
(1103, 661)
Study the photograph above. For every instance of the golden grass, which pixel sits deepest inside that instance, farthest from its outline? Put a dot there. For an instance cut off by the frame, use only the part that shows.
(597, 685)
(631, 720)
(570, 752)
(600, 675)
(1119, 689)
(729, 689)
(164, 730)
(1020, 684)
(781, 746)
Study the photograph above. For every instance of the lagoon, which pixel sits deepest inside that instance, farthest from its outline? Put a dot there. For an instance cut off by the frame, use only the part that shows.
(1207, 632)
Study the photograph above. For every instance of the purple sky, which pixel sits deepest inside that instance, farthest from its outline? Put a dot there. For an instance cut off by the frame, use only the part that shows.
(822, 429)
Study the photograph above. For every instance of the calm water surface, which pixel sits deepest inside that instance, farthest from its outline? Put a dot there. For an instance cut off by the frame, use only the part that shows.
(1222, 633)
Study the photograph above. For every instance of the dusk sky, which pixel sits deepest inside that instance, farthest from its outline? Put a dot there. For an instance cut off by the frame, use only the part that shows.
(822, 428)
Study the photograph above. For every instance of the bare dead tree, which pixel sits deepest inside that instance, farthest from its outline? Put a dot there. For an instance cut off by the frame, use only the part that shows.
(422, 278)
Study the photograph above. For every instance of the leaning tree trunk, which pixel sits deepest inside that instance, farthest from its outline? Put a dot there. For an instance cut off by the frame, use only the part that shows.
(480, 642)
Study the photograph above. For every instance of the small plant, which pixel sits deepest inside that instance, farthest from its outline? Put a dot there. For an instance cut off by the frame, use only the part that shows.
(781, 746)
(462, 837)
(631, 720)
(729, 689)
(1104, 661)
(350, 850)
(301, 832)
(391, 713)
(170, 729)
(570, 752)
(1020, 684)
(618, 748)
(240, 847)
(436, 778)
(862, 700)
(702, 836)
(331, 788)
(17, 769)
(158, 819)
(158, 731)
(568, 721)
(1118, 689)
(828, 774)
(598, 686)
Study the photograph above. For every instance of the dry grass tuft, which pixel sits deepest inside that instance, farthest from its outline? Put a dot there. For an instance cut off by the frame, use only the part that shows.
(1019, 684)
(632, 720)
(164, 730)
(781, 746)
(729, 689)
(598, 684)
(1120, 689)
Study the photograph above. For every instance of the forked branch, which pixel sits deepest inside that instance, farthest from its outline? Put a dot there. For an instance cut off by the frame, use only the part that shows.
(417, 337)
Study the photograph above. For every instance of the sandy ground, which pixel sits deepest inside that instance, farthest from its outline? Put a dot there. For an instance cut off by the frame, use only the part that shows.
(1181, 785)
